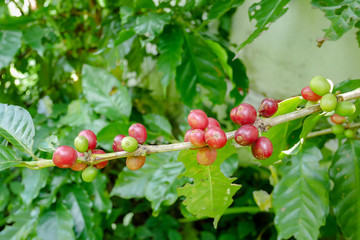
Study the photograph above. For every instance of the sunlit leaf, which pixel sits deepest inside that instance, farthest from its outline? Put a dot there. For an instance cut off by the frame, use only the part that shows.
(151, 24)
(8, 158)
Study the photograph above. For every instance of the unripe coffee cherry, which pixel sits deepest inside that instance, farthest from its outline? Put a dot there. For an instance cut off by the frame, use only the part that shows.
(101, 164)
(129, 144)
(246, 135)
(215, 137)
(91, 137)
(337, 129)
(320, 85)
(197, 137)
(268, 107)
(138, 131)
(79, 166)
(345, 109)
(262, 148)
(198, 119)
(245, 114)
(309, 95)
(135, 162)
(117, 143)
(81, 144)
(349, 133)
(328, 102)
(337, 119)
(89, 174)
(206, 156)
(213, 123)
(64, 157)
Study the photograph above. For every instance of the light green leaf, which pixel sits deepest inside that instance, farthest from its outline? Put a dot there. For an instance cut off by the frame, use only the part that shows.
(220, 52)
(158, 123)
(17, 126)
(219, 8)
(211, 193)
(151, 24)
(309, 124)
(347, 85)
(58, 224)
(10, 42)
(124, 35)
(263, 200)
(8, 158)
(33, 181)
(105, 93)
(301, 198)
(49, 144)
(345, 196)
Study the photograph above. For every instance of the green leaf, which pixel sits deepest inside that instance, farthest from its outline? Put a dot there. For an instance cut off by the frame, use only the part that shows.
(79, 113)
(342, 14)
(123, 36)
(8, 158)
(17, 126)
(151, 24)
(200, 66)
(211, 193)
(265, 12)
(10, 42)
(170, 48)
(301, 198)
(345, 196)
(106, 135)
(158, 124)
(240, 79)
(219, 8)
(99, 194)
(222, 55)
(58, 224)
(49, 144)
(33, 36)
(105, 93)
(347, 85)
(33, 181)
(4, 196)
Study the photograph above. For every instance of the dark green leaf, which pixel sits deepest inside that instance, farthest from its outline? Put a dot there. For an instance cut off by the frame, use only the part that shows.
(4, 196)
(79, 113)
(124, 35)
(347, 85)
(106, 135)
(99, 194)
(151, 24)
(158, 124)
(8, 158)
(240, 79)
(33, 181)
(10, 42)
(230, 164)
(33, 36)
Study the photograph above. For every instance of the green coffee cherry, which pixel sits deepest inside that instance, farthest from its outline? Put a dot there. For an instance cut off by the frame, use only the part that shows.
(349, 133)
(328, 102)
(89, 174)
(345, 109)
(337, 129)
(81, 144)
(129, 144)
(320, 85)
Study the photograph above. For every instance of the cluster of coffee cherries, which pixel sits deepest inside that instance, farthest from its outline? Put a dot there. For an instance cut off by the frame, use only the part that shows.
(248, 135)
(339, 129)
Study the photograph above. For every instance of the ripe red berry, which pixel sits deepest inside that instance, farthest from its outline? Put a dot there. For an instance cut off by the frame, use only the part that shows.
(233, 115)
(206, 156)
(91, 137)
(101, 164)
(212, 123)
(309, 95)
(268, 107)
(197, 137)
(337, 119)
(245, 114)
(198, 119)
(246, 135)
(186, 137)
(135, 162)
(215, 137)
(117, 143)
(64, 157)
(79, 166)
(138, 131)
(262, 148)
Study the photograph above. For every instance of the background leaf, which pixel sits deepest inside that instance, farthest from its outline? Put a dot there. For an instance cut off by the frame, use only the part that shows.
(10, 42)
(8, 158)
(33, 181)
(151, 24)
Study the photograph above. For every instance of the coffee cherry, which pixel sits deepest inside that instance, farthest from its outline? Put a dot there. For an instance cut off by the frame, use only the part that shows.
(117, 143)
(349, 133)
(213, 123)
(345, 109)
(309, 95)
(79, 166)
(246, 135)
(197, 137)
(89, 174)
(91, 137)
(138, 131)
(328, 102)
(64, 157)
(215, 137)
(320, 85)
(233, 115)
(129, 144)
(186, 137)
(81, 144)
(135, 162)
(206, 156)
(268, 107)
(198, 119)
(245, 114)
(101, 164)
(262, 148)
(337, 129)
(337, 119)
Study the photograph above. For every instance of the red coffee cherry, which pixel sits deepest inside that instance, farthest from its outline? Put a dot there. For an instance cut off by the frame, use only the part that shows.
(117, 143)
(337, 119)
(268, 107)
(198, 119)
(233, 115)
(206, 156)
(186, 137)
(197, 137)
(262, 148)
(246, 135)
(212, 123)
(245, 114)
(138, 131)
(135, 162)
(79, 166)
(101, 164)
(309, 95)
(64, 157)
(91, 137)
(215, 137)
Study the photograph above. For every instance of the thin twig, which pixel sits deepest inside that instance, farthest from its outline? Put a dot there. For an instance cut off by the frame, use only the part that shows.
(329, 130)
